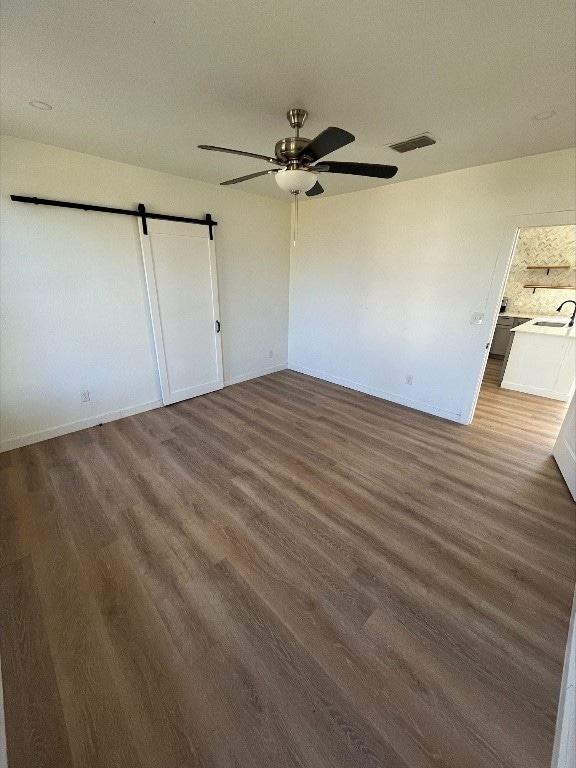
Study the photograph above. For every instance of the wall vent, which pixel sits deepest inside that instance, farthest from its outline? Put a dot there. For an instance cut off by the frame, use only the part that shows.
(424, 140)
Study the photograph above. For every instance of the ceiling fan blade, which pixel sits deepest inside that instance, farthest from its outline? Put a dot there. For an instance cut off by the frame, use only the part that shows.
(328, 141)
(363, 169)
(272, 160)
(317, 189)
(245, 178)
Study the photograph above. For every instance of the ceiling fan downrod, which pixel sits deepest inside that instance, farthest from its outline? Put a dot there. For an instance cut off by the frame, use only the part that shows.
(297, 118)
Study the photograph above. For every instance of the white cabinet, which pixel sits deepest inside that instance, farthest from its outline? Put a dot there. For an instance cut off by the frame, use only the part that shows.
(542, 362)
(515, 321)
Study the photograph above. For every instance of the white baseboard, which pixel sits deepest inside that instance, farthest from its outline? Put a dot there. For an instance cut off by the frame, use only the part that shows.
(549, 393)
(254, 374)
(382, 394)
(93, 421)
(75, 426)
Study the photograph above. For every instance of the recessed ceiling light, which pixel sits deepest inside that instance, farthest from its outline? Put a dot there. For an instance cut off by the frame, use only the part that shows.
(40, 105)
(544, 115)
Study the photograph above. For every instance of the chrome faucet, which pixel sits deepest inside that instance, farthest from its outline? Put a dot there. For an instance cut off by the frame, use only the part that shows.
(569, 301)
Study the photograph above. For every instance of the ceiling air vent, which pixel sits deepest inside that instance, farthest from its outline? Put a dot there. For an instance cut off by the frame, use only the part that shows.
(424, 140)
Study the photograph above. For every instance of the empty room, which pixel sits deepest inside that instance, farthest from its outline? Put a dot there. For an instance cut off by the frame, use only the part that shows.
(287, 372)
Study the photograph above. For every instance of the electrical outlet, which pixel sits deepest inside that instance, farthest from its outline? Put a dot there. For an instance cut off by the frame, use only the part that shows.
(270, 353)
(409, 378)
(84, 396)
(477, 318)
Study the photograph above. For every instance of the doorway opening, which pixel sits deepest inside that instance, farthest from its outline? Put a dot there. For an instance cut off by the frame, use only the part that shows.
(539, 289)
(530, 366)
(497, 292)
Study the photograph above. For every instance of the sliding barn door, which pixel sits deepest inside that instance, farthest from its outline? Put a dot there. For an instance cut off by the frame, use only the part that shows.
(182, 285)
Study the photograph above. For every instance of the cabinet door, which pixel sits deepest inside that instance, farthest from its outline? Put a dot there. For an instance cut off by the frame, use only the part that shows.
(500, 340)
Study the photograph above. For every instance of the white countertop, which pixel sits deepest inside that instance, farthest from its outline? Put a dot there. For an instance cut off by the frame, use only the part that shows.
(530, 327)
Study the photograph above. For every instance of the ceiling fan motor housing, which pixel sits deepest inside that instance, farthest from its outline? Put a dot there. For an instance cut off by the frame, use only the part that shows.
(287, 150)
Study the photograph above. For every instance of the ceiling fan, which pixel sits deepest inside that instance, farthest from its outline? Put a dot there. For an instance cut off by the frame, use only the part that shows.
(296, 157)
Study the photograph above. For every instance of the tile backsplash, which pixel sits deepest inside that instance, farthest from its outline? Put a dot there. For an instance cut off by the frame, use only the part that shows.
(542, 246)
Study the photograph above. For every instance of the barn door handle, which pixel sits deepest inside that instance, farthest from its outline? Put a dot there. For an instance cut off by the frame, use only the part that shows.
(217, 326)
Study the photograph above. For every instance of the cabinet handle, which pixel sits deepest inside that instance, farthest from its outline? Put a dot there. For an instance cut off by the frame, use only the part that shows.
(217, 326)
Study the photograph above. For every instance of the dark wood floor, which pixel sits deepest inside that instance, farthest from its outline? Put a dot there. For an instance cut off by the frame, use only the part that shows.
(288, 574)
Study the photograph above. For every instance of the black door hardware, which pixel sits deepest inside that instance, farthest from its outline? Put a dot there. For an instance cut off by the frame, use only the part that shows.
(141, 213)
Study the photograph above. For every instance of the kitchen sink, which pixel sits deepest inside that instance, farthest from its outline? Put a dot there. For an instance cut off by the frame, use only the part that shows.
(551, 323)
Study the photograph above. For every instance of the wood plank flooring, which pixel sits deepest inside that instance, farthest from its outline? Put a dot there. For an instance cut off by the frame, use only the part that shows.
(292, 575)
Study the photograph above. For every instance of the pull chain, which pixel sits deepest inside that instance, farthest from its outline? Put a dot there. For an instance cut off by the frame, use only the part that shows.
(295, 228)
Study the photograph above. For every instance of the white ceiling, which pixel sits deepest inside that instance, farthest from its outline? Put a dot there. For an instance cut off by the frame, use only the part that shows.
(145, 81)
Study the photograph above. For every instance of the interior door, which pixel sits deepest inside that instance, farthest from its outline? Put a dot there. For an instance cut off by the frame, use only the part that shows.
(565, 448)
(180, 267)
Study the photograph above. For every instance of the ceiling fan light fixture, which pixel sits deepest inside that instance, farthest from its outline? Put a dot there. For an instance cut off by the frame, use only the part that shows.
(295, 180)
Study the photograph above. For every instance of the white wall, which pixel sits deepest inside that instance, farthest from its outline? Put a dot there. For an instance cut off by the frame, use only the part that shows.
(384, 282)
(564, 752)
(74, 307)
